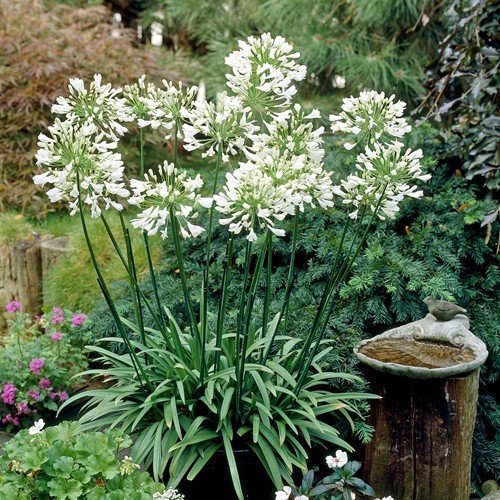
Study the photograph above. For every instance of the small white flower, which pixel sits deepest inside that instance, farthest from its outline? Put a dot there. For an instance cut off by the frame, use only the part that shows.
(302, 497)
(37, 427)
(285, 494)
(339, 460)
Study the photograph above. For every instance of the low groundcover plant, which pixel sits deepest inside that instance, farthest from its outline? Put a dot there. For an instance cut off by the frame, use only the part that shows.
(65, 463)
(46, 354)
(185, 393)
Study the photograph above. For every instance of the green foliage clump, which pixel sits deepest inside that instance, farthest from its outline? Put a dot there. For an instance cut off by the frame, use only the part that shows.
(463, 89)
(64, 462)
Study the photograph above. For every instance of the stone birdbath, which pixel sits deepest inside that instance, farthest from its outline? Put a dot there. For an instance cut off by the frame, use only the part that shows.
(427, 374)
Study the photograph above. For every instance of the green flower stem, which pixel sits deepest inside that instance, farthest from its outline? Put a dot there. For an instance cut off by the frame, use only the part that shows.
(221, 314)
(129, 271)
(206, 278)
(136, 297)
(141, 149)
(133, 357)
(248, 255)
(245, 324)
(341, 276)
(288, 289)
(267, 298)
(193, 325)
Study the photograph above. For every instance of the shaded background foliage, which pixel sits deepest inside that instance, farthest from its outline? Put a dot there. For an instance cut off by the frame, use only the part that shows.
(439, 56)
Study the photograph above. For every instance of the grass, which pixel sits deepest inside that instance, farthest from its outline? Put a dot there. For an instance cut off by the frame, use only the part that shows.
(14, 227)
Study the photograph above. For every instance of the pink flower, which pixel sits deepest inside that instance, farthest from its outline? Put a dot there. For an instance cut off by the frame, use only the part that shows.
(58, 316)
(23, 407)
(63, 396)
(45, 384)
(13, 306)
(53, 395)
(35, 394)
(78, 319)
(36, 365)
(56, 337)
(9, 419)
(9, 393)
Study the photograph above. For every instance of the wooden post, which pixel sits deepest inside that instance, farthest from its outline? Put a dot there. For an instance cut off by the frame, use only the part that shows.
(21, 274)
(422, 444)
(52, 251)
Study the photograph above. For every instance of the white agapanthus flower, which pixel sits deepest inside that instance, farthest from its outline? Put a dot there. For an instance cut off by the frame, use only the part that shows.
(98, 108)
(252, 200)
(169, 190)
(134, 95)
(385, 171)
(223, 125)
(73, 152)
(284, 494)
(292, 133)
(263, 72)
(339, 460)
(303, 181)
(166, 107)
(372, 116)
(37, 427)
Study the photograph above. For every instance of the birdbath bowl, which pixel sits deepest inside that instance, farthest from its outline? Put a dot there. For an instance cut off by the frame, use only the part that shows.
(425, 349)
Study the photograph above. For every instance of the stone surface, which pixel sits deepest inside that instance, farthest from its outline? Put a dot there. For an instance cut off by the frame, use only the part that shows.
(426, 348)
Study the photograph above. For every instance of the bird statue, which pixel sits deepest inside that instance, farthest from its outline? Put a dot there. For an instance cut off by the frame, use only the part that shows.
(442, 310)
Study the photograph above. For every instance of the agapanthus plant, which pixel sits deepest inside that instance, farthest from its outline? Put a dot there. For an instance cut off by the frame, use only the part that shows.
(186, 393)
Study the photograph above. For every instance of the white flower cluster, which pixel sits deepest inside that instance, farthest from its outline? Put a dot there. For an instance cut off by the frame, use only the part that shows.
(169, 191)
(224, 125)
(372, 116)
(384, 174)
(263, 72)
(134, 98)
(73, 152)
(97, 108)
(169, 494)
(167, 107)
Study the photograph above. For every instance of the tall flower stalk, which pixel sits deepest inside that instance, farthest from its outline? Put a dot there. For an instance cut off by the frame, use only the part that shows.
(187, 391)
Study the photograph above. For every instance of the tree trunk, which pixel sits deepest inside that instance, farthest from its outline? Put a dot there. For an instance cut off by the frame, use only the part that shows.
(21, 274)
(423, 436)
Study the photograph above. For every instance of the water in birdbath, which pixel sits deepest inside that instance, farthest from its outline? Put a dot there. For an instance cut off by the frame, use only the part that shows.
(421, 353)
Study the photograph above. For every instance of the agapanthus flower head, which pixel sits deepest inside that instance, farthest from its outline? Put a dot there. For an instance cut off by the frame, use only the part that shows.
(263, 72)
(302, 181)
(223, 125)
(293, 133)
(385, 175)
(168, 191)
(372, 116)
(73, 153)
(13, 306)
(97, 108)
(134, 95)
(166, 107)
(252, 200)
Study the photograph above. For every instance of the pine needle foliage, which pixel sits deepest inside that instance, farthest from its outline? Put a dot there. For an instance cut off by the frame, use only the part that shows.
(380, 44)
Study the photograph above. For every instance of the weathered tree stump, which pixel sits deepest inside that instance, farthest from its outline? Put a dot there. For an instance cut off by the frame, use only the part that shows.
(21, 274)
(423, 436)
(52, 251)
